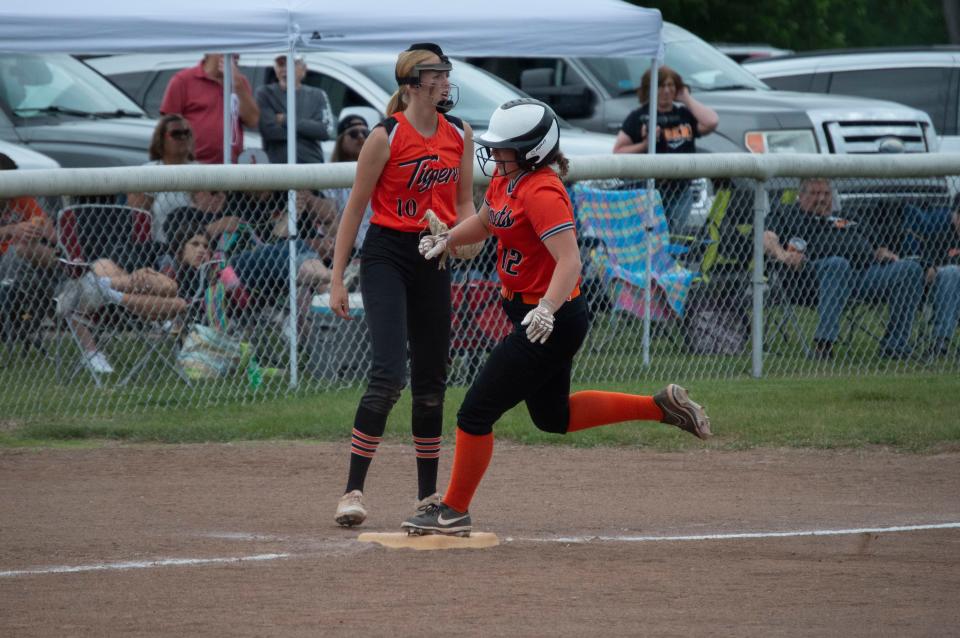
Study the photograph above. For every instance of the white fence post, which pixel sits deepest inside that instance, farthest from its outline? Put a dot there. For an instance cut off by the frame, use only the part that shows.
(761, 206)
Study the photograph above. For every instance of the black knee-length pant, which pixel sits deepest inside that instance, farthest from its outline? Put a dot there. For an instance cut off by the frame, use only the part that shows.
(520, 370)
(405, 299)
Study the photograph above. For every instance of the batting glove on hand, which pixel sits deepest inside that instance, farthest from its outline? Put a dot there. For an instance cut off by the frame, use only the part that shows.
(433, 245)
(539, 322)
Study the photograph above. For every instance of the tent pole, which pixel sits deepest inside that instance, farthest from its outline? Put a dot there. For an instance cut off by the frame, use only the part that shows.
(227, 108)
(651, 203)
(292, 209)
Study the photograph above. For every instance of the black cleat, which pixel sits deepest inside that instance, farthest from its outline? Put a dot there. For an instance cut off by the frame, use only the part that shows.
(438, 519)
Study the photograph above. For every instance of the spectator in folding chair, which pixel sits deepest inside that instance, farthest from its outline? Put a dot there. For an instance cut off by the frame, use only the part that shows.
(680, 120)
(941, 258)
(263, 268)
(837, 258)
(618, 220)
(27, 264)
(27, 255)
(171, 145)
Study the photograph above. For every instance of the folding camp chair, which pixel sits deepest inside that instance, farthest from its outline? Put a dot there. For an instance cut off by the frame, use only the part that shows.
(86, 233)
(618, 219)
(477, 325)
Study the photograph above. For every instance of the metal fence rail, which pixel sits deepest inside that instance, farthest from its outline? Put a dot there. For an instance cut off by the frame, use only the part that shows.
(142, 288)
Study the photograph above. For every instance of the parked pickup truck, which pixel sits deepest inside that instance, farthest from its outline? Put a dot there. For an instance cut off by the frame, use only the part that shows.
(598, 93)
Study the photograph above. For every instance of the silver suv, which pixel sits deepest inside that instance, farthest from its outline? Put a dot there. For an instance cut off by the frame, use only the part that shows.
(925, 78)
(54, 105)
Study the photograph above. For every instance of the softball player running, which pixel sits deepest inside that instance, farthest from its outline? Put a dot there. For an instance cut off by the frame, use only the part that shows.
(417, 159)
(527, 208)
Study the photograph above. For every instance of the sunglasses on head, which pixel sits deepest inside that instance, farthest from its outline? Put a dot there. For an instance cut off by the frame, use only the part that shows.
(358, 133)
(180, 133)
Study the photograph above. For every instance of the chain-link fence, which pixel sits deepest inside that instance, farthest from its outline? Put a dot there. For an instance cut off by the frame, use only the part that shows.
(135, 300)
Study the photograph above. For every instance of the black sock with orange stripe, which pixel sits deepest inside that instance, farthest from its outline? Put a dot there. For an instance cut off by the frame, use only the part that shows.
(427, 427)
(367, 433)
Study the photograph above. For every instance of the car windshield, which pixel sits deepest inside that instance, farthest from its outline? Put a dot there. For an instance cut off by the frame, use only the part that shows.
(480, 92)
(36, 86)
(700, 65)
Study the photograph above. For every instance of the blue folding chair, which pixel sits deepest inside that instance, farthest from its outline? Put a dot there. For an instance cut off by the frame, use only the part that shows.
(618, 219)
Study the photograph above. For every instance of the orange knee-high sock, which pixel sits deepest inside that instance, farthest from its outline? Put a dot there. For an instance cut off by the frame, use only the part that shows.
(591, 408)
(471, 456)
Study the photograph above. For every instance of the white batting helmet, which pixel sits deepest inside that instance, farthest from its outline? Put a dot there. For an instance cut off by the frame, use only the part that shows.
(527, 126)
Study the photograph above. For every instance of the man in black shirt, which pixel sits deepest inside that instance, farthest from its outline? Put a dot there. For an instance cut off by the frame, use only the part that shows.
(839, 259)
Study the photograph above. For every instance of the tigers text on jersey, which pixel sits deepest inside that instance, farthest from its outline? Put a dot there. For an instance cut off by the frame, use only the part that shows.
(422, 173)
(525, 210)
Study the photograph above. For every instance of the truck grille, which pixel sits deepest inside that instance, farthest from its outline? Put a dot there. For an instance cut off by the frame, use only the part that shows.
(875, 137)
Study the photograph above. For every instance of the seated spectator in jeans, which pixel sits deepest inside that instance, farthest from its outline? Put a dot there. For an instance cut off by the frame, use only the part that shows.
(171, 145)
(255, 276)
(27, 247)
(941, 257)
(837, 259)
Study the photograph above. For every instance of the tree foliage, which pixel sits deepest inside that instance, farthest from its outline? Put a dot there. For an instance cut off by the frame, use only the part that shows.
(809, 24)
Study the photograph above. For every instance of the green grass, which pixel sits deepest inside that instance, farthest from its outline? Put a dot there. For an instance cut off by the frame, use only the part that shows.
(918, 413)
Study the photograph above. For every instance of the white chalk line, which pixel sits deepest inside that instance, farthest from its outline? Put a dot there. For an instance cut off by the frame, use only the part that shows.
(144, 564)
(738, 535)
(169, 562)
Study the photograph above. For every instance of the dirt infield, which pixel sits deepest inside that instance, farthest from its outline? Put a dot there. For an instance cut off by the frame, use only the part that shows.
(260, 515)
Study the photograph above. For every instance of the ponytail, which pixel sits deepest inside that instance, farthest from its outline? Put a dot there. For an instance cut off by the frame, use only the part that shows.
(562, 164)
(396, 103)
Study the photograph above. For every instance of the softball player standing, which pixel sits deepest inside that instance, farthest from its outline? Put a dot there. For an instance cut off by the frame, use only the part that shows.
(417, 159)
(527, 208)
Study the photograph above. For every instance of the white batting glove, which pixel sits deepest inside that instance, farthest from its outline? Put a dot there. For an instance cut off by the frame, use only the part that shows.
(539, 322)
(432, 245)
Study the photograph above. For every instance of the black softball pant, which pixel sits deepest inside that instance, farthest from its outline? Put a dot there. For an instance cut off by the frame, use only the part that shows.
(520, 370)
(405, 298)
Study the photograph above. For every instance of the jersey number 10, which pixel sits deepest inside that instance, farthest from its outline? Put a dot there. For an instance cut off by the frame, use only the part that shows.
(408, 208)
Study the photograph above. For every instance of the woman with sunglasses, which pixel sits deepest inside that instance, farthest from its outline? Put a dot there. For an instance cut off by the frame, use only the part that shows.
(352, 132)
(171, 145)
(417, 159)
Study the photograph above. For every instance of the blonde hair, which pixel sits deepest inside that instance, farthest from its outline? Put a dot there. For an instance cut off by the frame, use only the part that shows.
(405, 63)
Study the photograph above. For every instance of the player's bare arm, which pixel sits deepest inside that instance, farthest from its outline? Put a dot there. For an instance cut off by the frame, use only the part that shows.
(373, 157)
(563, 247)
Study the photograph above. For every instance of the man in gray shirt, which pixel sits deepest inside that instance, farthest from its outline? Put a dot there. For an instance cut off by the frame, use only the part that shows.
(314, 118)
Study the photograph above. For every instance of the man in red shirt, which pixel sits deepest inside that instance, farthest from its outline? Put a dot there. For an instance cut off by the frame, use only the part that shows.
(197, 94)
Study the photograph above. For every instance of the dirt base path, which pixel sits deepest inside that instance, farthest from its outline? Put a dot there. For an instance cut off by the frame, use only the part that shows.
(239, 540)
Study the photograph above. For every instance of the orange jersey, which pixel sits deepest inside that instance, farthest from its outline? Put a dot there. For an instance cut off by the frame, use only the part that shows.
(525, 210)
(422, 173)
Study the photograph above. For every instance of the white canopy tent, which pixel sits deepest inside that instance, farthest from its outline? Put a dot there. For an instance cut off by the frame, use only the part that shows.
(531, 28)
(506, 27)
